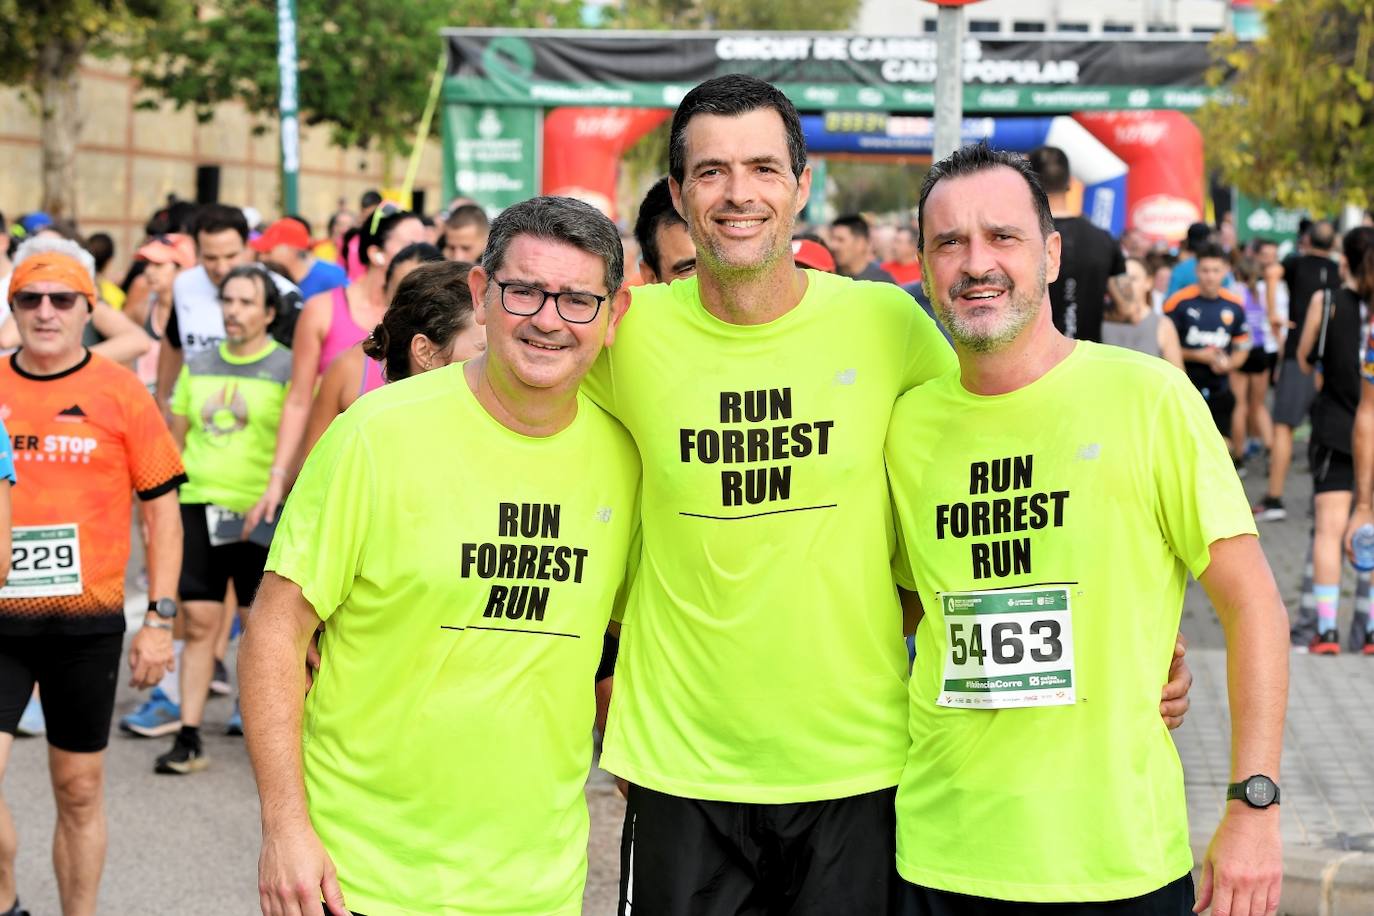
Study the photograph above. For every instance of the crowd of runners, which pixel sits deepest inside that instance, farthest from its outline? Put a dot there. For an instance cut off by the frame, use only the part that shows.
(830, 531)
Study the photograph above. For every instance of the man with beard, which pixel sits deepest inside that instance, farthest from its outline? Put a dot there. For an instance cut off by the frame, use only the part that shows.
(1048, 619)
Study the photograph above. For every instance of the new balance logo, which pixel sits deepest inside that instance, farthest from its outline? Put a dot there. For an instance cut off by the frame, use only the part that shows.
(73, 414)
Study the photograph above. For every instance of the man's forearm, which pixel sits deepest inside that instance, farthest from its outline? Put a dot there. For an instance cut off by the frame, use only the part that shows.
(1243, 590)
(272, 690)
(164, 545)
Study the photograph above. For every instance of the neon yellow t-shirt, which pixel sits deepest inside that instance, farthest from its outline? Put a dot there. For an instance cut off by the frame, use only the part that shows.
(465, 575)
(233, 405)
(1082, 502)
(762, 658)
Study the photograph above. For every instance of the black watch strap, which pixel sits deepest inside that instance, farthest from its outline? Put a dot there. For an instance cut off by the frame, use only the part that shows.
(1257, 791)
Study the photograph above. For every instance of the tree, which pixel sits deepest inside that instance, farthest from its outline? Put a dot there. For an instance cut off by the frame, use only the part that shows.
(365, 65)
(1298, 125)
(42, 43)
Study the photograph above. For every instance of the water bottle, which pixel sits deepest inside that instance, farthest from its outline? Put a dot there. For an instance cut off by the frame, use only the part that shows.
(1362, 545)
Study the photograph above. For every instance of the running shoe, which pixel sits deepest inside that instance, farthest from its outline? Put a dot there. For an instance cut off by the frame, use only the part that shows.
(1270, 509)
(182, 759)
(235, 724)
(1327, 642)
(219, 684)
(1368, 644)
(157, 717)
(31, 723)
(15, 910)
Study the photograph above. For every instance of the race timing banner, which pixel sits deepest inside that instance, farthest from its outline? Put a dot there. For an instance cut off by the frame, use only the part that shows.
(825, 70)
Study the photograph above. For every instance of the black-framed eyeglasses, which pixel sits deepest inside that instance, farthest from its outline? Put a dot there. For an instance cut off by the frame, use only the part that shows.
(573, 307)
(26, 300)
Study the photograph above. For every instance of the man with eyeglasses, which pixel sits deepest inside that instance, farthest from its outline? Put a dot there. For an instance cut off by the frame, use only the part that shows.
(463, 534)
(86, 435)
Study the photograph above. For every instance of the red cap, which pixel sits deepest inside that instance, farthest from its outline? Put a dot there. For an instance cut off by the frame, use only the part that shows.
(175, 249)
(285, 231)
(807, 253)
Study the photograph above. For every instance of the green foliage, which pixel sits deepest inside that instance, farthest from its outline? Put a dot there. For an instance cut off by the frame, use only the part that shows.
(1298, 127)
(72, 27)
(865, 186)
(365, 65)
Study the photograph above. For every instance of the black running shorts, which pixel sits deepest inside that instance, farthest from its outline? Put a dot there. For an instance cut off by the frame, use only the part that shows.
(686, 857)
(1173, 899)
(206, 571)
(76, 678)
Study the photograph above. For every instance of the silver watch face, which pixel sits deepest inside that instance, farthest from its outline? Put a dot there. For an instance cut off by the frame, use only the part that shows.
(1259, 792)
(165, 608)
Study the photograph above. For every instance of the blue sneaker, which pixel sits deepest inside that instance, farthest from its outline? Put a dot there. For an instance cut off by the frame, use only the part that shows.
(31, 723)
(157, 717)
(235, 724)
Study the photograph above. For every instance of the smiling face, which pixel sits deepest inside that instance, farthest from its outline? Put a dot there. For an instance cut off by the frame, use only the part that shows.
(738, 192)
(544, 351)
(986, 264)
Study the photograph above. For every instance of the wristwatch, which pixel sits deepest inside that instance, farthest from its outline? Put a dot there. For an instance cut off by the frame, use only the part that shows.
(165, 610)
(1257, 791)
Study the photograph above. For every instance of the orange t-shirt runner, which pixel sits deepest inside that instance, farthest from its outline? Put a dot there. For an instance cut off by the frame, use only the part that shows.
(83, 441)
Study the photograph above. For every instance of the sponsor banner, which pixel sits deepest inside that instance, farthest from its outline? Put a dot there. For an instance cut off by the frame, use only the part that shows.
(583, 148)
(822, 70)
(1163, 151)
(491, 153)
(1265, 219)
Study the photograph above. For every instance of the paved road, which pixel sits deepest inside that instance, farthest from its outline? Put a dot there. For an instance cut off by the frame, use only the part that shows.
(189, 845)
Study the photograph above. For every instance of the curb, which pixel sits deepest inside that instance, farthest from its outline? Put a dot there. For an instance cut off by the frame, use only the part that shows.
(1316, 881)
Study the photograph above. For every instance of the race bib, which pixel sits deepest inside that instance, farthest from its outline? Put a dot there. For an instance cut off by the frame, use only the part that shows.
(225, 525)
(1008, 648)
(45, 562)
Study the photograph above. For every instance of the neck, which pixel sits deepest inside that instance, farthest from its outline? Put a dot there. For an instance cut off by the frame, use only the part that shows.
(536, 413)
(372, 288)
(247, 347)
(749, 299)
(49, 363)
(301, 267)
(1038, 349)
(1059, 205)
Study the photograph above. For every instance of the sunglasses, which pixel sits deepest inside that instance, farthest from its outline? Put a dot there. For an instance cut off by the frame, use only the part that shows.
(60, 301)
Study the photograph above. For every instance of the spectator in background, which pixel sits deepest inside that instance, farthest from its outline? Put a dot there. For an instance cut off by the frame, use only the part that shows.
(1305, 275)
(331, 248)
(287, 243)
(809, 251)
(465, 233)
(905, 266)
(1135, 244)
(666, 250)
(1133, 324)
(1250, 382)
(1185, 271)
(1160, 266)
(853, 254)
(1089, 257)
(102, 248)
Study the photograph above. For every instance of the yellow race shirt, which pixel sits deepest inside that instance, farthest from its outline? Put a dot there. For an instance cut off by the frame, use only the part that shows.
(761, 657)
(1050, 533)
(465, 575)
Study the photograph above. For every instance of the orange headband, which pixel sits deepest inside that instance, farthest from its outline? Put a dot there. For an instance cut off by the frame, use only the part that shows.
(57, 268)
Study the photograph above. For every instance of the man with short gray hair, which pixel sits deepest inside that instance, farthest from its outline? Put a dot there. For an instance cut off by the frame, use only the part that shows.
(448, 732)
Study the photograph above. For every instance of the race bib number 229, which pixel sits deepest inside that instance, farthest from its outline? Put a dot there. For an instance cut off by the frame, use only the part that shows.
(45, 562)
(1008, 648)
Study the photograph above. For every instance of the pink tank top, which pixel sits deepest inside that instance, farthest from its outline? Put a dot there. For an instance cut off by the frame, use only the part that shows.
(343, 332)
(372, 376)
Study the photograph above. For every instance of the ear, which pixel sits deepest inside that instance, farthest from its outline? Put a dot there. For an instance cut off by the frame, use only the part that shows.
(477, 282)
(675, 192)
(803, 189)
(647, 274)
(422, 350)
(618, 307)
(1053, 250)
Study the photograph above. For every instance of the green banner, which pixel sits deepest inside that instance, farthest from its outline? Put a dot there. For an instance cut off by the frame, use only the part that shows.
(1042, 681)
(492, 153)
(1009, 602)
(1264, 219)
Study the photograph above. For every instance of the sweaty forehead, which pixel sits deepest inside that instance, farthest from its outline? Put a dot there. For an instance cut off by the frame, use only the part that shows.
(552, 265)
(992, 197)
(736, 138)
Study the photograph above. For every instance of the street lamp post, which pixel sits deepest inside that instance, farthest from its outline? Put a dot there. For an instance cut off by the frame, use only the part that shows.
(290, 124)
(949, 76)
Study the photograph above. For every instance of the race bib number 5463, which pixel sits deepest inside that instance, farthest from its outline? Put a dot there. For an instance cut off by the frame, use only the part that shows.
(1008, 648)
(45, 562)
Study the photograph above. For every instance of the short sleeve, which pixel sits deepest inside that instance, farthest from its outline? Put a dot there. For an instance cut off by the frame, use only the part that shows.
(1199, 496)
(155, 464)
(321, 538)
(1242, 332)
(597, 383)
(181, 394)
(6, 456)
(928, 353)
